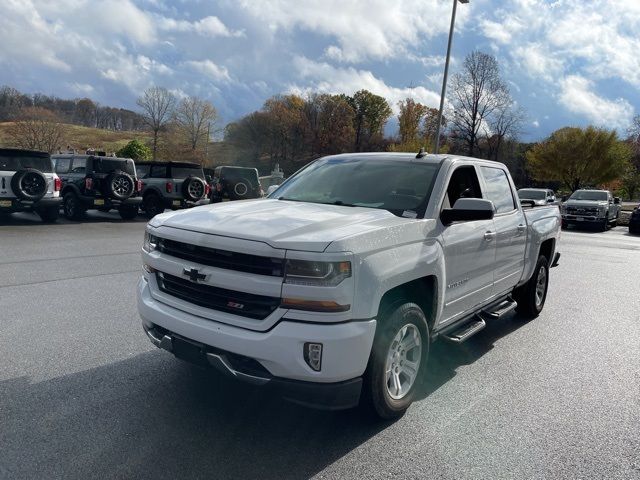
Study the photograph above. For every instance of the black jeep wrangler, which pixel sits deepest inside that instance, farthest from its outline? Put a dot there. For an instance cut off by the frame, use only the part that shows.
(235, 183)
(98, 182)
(28, 184)
(171, 185)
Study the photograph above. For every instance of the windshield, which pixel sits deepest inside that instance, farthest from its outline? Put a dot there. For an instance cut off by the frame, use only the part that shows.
(402, 187)
(532, 194)
(589, 195)
(11, 163)
(184, 172)
(108, 165)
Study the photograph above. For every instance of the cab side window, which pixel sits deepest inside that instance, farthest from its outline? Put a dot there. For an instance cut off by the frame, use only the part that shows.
(463, 184)
(158, 171)
(498, 189)
(62, 165)
(79, 165)
(142, 171)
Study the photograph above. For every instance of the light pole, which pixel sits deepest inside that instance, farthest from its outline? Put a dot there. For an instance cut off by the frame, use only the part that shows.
(446, 72)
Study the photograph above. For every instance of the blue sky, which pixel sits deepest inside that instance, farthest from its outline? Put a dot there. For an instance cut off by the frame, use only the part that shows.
(568, 62)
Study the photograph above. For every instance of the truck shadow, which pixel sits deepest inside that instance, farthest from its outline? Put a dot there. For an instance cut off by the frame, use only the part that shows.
(22, 219)
(445, 357)
(151, 416)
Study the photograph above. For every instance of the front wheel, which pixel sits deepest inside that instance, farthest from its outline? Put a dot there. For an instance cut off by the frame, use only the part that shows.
(71, 207)
(532, 295)
(397, 363)
(152, 205)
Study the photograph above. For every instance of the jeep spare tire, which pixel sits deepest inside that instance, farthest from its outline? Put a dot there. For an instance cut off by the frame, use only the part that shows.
(193, 188)
(240, 189)
(29, 184)
(120, 185)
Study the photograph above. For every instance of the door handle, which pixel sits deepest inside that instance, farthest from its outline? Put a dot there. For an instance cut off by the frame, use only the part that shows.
(521, 228)
(489, 235)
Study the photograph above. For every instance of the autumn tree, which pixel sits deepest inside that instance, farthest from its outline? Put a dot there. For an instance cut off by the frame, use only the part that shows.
(37, 128)
(478, 91)
(371, 113)
(579, 157)
(194, 116)
(410, 119)
(157, 105)
(505, 123)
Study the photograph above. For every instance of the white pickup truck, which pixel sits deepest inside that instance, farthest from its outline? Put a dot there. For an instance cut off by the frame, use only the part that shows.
(332, 288)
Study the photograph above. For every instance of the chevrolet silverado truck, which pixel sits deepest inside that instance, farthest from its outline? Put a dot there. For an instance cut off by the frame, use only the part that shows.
(331, 290)
(591, 207)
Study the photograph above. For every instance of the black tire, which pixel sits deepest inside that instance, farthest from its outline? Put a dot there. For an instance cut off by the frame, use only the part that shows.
(120, 185)
(49, 214)
(71, 206)
(604, 225)
(376, 394)
(29, 184)
(193, 188)
(240, 189)
(529, 302)
(564, 225)
(128, 212)
(152, 205)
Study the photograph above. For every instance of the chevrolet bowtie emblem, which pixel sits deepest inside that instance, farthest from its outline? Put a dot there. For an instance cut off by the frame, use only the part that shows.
(193, 274)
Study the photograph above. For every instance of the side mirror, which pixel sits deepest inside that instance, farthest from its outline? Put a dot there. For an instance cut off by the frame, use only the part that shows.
(564, 198)
(616, 200)
(272, 189)
(208, 178)
(468, 210)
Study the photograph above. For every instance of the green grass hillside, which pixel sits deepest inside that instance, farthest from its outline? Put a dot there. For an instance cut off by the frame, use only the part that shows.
(82, 138)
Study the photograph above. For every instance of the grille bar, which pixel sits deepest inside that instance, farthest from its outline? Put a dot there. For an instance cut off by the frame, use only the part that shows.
(225, 259)
(238, 303)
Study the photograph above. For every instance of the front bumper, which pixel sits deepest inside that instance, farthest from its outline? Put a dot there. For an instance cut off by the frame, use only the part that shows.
(17, 205)
(567, 218)
(275, 357)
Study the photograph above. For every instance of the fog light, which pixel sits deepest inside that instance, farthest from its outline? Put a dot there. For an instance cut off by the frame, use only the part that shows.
(313, 355)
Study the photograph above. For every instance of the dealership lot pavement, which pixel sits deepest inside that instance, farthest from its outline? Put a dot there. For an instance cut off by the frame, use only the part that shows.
(84, 394)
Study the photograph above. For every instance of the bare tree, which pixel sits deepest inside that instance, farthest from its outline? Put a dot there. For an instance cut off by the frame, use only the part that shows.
(157, 105)
(505, 123)
(194, 117)
(37, 128)
(478, 91)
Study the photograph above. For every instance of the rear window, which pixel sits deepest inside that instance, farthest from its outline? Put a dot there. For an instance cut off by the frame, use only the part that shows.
(184, 172)
(235, 174)
(108, 165)
(13, 163)
(532, 194)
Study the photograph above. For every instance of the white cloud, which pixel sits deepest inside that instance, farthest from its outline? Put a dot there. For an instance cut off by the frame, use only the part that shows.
(577, 96)
(211, 70)
(538, 62)
(325, 78)
(535, 124)
(363, 29)
(208, 26)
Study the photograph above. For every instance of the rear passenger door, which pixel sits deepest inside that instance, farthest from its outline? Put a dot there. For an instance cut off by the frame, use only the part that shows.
(469, 249)
(511, 229)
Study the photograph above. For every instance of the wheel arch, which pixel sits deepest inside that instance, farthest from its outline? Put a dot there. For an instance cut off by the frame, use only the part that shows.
(422, 291)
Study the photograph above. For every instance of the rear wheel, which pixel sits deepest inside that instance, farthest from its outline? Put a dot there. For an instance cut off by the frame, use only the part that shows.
(397, 363)
(128, 212)
(152, 204)
(71, 207)
(532, 295)
(49, 214)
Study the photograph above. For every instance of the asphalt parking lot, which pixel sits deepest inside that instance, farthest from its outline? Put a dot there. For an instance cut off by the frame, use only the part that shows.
(84, 394)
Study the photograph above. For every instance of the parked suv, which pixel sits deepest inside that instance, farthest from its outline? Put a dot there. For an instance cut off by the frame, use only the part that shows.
(96, 182)
(595, 207)
(28, 184)
(235, 183)
(171, 185)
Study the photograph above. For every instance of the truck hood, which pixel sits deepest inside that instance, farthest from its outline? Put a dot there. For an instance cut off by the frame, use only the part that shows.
(587, 203)
(279, 223)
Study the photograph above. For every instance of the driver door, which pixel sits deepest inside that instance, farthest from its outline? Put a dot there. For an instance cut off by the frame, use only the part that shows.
(469, 249)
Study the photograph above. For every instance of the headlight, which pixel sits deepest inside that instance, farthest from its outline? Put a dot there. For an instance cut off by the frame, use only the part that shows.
(150, 242)
(316, 274)
(603, 210)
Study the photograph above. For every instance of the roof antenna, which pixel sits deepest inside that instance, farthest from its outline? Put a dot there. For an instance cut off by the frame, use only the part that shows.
(421, 153)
